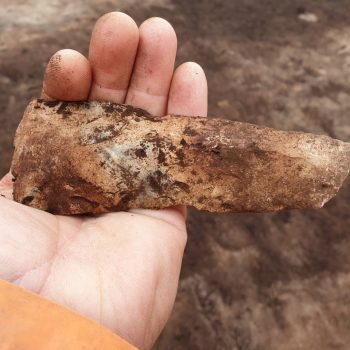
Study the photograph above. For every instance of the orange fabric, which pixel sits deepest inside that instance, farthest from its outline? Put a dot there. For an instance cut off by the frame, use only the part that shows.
(29, 322)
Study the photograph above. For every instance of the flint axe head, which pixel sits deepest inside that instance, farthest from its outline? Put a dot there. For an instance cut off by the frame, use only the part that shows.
(96, 157)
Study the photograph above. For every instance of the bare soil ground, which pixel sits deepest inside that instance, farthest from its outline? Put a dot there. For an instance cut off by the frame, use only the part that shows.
(249, 282)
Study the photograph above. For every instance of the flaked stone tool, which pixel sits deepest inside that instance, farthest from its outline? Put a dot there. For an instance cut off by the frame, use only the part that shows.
(96, 157)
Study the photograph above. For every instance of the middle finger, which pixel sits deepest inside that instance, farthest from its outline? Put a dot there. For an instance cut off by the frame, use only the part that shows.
(112, 53)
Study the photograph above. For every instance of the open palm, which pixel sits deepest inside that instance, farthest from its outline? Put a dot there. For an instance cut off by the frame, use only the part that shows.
(120, 269)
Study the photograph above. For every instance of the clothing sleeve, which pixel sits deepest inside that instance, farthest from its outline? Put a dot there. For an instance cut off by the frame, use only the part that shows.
(30, 322)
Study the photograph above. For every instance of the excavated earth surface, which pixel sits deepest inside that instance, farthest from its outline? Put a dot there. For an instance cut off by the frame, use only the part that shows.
(249, 282)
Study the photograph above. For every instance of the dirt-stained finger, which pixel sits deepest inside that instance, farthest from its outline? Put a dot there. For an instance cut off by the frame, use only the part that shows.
(67, 77)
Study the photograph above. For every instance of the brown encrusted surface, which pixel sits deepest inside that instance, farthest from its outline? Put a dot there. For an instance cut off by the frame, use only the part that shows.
(92, 157)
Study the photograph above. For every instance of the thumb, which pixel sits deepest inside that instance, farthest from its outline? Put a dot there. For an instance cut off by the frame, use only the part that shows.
(6, 186)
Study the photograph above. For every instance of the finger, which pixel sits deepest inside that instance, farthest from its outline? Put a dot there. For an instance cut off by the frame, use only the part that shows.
(67, 77)
(189, 91)
(154, 66)
(188, 95)
(112, 53)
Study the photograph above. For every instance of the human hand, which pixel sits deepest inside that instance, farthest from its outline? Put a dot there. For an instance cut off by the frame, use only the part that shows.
(120, 269)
